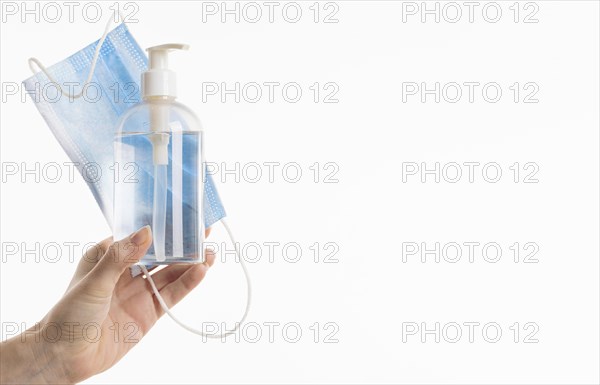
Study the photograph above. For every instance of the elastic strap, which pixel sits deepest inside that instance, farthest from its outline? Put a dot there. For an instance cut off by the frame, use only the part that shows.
(35, 61)
(196, 331)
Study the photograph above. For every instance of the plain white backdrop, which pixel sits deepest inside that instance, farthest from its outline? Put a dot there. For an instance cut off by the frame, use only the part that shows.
(372, 306)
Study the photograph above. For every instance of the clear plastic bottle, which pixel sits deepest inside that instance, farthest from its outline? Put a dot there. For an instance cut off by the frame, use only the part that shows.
(159, 177)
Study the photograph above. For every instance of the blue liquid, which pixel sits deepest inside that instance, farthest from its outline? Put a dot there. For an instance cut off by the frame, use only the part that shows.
(134, 194)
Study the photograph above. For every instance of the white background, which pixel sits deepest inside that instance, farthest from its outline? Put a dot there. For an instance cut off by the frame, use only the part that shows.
(370, 293)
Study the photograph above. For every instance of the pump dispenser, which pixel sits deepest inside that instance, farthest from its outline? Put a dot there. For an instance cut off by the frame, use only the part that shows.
(160, 142)
(161, 83)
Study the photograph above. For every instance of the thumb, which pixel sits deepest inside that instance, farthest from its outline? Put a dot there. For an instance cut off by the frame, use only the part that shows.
(118, 257)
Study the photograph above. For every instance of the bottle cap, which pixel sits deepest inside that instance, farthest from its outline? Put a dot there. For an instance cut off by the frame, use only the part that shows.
(159, 80)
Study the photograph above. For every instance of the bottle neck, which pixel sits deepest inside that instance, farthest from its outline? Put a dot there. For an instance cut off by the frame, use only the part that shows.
(159, 99)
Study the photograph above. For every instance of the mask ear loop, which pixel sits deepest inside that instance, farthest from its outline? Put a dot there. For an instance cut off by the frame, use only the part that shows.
(35, 61)
(166, 309)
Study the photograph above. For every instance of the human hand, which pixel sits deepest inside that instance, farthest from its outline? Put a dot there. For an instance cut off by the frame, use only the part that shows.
(102, 315)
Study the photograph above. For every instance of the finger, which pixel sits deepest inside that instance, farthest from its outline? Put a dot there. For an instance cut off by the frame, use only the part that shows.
(209, 257)
(207, 232)
(171, 273)
(175, 291)
(119, 256)
(89, 259)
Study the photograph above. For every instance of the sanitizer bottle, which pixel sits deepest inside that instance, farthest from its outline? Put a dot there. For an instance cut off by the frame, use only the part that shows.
(159, 173)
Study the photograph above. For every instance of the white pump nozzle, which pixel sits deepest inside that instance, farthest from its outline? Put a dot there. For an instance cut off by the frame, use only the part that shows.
(159, 80)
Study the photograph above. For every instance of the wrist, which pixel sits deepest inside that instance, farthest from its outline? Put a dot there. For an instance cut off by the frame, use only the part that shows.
(30, 358)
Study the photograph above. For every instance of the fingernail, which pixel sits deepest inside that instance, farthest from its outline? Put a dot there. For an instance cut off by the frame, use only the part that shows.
(140, 236)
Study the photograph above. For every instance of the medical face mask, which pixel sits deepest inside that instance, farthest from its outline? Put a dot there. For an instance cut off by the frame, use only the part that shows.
(83, 99)
(83, 119)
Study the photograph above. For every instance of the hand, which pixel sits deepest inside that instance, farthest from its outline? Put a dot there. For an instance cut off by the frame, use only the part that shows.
(102, 315)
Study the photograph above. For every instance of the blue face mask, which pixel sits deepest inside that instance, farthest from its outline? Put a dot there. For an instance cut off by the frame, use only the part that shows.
(82, 101)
